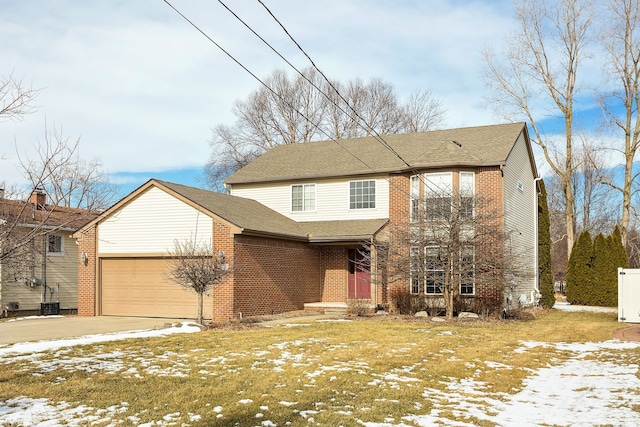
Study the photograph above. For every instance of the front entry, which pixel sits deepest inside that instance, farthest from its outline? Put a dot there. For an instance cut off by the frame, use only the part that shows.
(359, 275)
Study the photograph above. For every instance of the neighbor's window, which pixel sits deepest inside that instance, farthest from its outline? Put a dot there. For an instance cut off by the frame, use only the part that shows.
(303, 197)
(54, 244)
(466, 194)
(362, 194)
(438, 190)
(467, 271)
(436, 264)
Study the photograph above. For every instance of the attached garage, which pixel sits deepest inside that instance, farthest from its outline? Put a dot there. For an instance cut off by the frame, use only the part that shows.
(141, 287)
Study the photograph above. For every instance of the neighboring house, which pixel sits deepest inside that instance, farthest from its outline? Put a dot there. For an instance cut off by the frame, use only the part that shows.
(39, 260)
(296, 219)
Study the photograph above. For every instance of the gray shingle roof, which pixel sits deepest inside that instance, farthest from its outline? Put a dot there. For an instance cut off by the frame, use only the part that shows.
(253, 216)
(472, 146)
(244, 213)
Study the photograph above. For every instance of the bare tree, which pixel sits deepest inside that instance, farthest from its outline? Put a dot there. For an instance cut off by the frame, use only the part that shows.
(62, 195)
(16, 98)
(621, 40)
(422, 112)
(197, 267)
(454, 246)
(69, 180)
(308, 108)
(540, 70)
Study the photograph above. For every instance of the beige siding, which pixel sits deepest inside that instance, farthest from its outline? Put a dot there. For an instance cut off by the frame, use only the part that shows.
(62, 277)
(520, 213)
(332, 199)
(150, 223)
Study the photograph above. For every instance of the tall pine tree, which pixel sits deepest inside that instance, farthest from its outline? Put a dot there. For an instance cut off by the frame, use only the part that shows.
(579, 269)
(602, 261)
(545, 273)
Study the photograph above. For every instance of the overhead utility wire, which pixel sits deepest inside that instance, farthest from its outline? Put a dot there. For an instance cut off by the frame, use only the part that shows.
(368, 128)
(289, 104)
(268, 87)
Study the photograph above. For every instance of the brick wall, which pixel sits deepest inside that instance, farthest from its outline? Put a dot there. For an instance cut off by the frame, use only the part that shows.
(223, 294)
(334, 266)
(399, 192)
(274, 276)
(87, 274)
(489, 188)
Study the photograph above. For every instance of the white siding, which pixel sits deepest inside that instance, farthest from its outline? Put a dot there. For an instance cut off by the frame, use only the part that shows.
(150, 223)
(520, 213)
(62, 277)
(332, 199)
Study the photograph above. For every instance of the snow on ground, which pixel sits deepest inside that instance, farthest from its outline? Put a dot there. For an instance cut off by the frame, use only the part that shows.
(592, 386)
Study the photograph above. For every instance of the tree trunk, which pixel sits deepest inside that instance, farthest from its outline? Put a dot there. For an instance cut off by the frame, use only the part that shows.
(200, 308)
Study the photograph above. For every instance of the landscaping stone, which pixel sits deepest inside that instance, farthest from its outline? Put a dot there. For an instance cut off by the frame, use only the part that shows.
(467, 315)
(438, 319)
(421, 314)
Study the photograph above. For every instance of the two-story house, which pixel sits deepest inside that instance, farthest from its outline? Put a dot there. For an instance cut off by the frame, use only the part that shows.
(297, 218)
(38, 256)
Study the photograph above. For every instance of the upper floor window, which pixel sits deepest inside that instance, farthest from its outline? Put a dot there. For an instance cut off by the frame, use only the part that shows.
(466, 194)
(438, 192)
(303, 197)
(54, 244)
(362, 194)
(415, 197)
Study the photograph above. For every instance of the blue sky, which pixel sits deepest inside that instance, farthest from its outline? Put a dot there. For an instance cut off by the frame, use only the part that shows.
(142, 89)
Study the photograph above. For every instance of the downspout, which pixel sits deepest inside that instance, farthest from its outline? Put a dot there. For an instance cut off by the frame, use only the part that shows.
(44, 267)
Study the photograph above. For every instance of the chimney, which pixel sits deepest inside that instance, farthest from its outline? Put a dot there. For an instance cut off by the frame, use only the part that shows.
(38, 198)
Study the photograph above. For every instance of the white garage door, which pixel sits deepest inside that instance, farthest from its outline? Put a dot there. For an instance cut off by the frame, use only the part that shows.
(141, 287)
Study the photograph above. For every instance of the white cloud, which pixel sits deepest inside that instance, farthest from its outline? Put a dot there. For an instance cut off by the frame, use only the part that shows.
(143, 89)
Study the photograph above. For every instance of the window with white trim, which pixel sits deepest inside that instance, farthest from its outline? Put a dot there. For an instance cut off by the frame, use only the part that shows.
(415, 198)
(467, 271)
(438, 193)
(303, 197)
(415, 269)
(466, 194)
(54, 244)
(362, 194)
(436, 264)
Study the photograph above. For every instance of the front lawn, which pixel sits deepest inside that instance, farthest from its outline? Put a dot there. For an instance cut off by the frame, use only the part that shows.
(374, 372)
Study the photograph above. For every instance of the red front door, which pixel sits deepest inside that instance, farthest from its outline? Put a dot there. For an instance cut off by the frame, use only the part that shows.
(359, 275)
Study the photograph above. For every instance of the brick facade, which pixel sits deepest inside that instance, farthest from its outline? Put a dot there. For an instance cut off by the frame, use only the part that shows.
(488, 186)
(87, 273)
(274, 276)
(334, 267)
(224, 293)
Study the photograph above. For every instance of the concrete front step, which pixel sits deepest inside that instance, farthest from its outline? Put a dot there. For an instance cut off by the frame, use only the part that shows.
(327, 307)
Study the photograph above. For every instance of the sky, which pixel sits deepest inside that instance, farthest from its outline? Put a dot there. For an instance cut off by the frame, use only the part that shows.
(142, 89)
(589, 383)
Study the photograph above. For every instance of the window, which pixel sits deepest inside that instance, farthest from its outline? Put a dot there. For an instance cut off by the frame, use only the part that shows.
(466, 194)
(436, 264)
(303, 197)
(415, 261)
(362, 194)
(54, 244)
(467, 271)
(415, 197)
(438, 190)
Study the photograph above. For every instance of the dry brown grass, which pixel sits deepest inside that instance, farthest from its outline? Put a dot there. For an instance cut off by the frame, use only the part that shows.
(371, 368)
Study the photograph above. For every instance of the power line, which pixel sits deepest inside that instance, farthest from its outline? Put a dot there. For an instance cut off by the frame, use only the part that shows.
(378, 138)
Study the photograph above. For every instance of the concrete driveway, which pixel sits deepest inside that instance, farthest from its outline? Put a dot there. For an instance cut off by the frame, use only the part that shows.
(57, 327)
